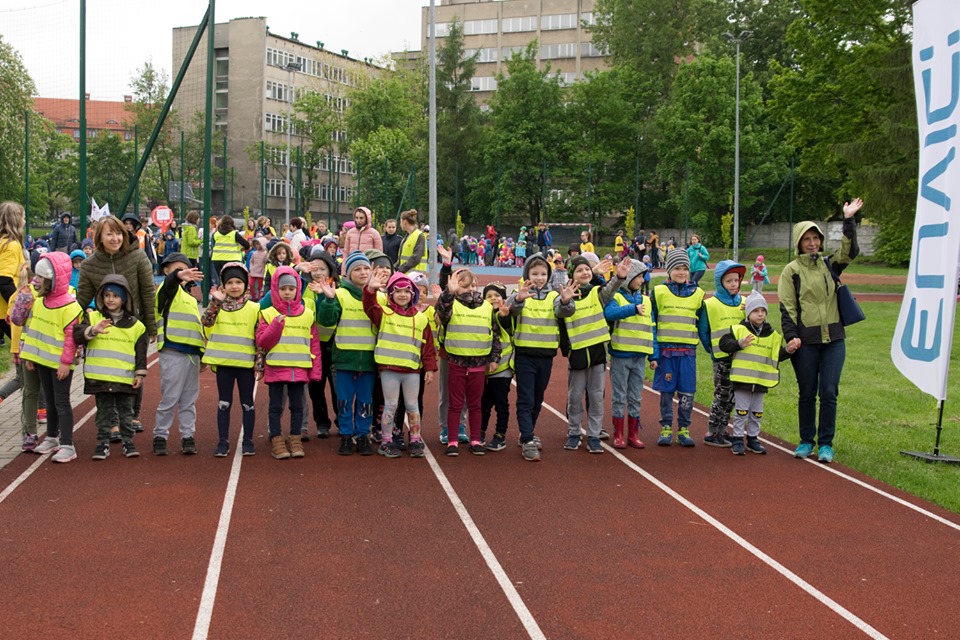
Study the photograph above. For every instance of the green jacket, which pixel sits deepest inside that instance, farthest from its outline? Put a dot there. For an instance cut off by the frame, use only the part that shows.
(328, 313)
(808, 301)
(190, 241)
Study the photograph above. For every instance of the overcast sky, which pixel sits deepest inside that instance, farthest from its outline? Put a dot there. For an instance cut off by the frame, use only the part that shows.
(123, 34)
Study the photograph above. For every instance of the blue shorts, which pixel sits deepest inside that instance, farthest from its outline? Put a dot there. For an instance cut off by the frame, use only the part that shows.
(676, 372)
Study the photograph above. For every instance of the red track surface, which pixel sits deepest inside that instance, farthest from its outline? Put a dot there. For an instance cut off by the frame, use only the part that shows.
(349, 547)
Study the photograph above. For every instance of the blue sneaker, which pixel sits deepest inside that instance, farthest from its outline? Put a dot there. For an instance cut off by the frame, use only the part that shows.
(825, 454)
(684, 439)
(803, 451)
(572, 443)
(666, 436)
(594, 446)
(443, 435)
(462, 434)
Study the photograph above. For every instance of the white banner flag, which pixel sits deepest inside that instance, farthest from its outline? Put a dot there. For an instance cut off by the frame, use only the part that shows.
(922, 341)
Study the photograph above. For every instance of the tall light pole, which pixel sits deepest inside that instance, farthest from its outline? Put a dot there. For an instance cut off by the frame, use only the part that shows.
(291, 68)
(736, 161)
(431, 244)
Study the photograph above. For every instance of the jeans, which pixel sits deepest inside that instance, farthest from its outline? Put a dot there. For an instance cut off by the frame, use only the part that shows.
(626, 380)
(533, 375)
(59, 409)
(245, 381)
(295, 395)
(496, 395)
(818, 368)
(696, 275)
(354, 402)
(684, 411)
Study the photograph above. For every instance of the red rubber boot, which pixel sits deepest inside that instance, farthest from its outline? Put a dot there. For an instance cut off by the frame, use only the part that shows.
(618, 441)
(633, 438)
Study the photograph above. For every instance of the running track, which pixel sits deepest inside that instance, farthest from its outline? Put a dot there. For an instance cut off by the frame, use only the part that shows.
(659, 543)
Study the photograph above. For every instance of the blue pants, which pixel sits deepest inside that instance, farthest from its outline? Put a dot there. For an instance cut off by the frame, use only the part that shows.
(533, 374)
(355, 401)
(818, 368)
(676, 374)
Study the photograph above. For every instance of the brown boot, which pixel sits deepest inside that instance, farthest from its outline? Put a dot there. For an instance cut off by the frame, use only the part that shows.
(618, 441)
(278, 448)
(633, 430)
(296, 446)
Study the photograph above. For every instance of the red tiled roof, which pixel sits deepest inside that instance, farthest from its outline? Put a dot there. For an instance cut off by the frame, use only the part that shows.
(101, 114)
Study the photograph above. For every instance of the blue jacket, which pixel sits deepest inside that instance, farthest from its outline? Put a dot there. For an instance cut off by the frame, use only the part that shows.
(723, 296)
(614, 312)
(683, 291)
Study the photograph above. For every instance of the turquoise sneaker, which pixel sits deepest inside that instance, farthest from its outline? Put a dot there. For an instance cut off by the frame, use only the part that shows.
(462, 434)
(825, 454)
(443, 435)
(803, 451)
(666, 436)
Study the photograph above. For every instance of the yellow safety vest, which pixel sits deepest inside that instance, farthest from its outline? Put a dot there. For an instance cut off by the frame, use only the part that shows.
(354, 330)
(43, 335)
(310, 302)
(111, 356)
(293, 348)
(409, 244)
(537, 324)
(587, 326)
(469, 331)
(225, 247)
(722, 317)
(676, 316)
(182, 323)
(758, 363)
(633, 334)
(231, 341)
(506, 352)
(400, 339)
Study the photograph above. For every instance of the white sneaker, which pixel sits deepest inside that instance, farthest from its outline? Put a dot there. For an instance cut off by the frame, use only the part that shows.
(66, 453)
(49, 445)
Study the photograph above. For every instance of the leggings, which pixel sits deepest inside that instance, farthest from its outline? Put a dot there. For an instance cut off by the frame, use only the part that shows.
(392, 382)
(59, 410)
(245, 381)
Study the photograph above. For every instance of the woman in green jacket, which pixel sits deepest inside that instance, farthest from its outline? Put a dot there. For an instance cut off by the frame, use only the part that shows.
(190, 238)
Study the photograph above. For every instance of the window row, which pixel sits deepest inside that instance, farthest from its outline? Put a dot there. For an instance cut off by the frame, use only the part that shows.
(309, 66)
(279, 188)
(483, 83)
(483, 55)
(341, 164)
(519, 24)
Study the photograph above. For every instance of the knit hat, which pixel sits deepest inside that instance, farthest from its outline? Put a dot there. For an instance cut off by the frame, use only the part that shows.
(496, 286)
(354, 259)
(87, 242)
(759, 258)
(677, 258)
(402, 281)
(755, 301)
(234, 270)
(419, 279)
(328, 240)
(44, 269)
(574, 246)
(637, 268)
(378, 258)
(287, 280)
(77, 254)
(591, 257)
(116, 290)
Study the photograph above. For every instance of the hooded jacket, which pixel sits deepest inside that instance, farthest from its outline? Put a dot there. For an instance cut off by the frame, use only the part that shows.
(82, 333)
(134, 266)
(375, 311)
(58, 297)
(361, 239)
(64, 236)
(560, 310)
(807, 292)
(268, 334)
(723, 267)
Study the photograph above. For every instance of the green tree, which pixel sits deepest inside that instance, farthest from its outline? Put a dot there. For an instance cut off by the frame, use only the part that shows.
(16, 98)
(109, 167)
(316, 121)
(149, 86)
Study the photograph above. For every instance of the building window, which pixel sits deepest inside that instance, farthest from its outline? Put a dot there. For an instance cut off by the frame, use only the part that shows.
(561, 21)
(483, 83)
(278, 91)
(127, 135)
(275, 123)
(483, 55)
(479, 27)
(516, 25)
(277, 58)
(590, 50)
(76, 134)
(222, 67)
(554, 51)
(278, 188)
(588, 18)
(442, 29)
(509, 51)
(567, 78)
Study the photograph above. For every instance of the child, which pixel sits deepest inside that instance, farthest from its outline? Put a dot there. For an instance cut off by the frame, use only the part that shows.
(12, 223)
(723, 311)
(535, 340)
(756, 350)
(352, 354)
(287, 337)
(404, 348)
(645, 289)
(114, 361)
(558, 277)
(280, 256)
(630, 344)
(48, 314)
(258, 266)
(586, 242)
(191, 238)
(443, 392)
(677, 313)
(180, 343)
(472, 348)
(584, 338)
(230, 323)
(76, 259)
(87, 247)
(496, 393)
(521, 251)
(322, 268)
(758, 275)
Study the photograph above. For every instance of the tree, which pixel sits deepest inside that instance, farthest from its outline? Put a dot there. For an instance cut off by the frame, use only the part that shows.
(109, 167)
(16, 98)
(316, 121)
(150, 88)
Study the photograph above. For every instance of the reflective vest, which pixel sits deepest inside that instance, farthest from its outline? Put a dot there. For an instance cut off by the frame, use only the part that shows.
(676, 316)
(355, 332)
(506, 352)
(537, 324)
(469, 331)
(182, 323)
(409, 244)
(400, 339)
(225, 247)
(293, 348)
(112, 356)
(268, 271)
(231, 340)
(722, 317)
(43, 335)
(756, 364)
(587, 326)
(310, 302)
(633, 334)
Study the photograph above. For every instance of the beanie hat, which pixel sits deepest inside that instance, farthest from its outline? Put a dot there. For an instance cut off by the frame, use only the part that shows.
(403, 281)
(591, 257)
(496, 286)
(87, 242)
(234, 270)
(287, 280)
(355, 258)
(44, 269)
(316, 251)
(677, 258)
(755, 301)
(576, 262)
(419, 279)
(759, 258)
(574, 246)
(378, 258)
(637, 268)
(116, 290)
(328, 240)
(77, 254)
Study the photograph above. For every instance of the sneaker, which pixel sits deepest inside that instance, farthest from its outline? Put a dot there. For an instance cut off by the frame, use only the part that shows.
(377, 436)
(278, 448)
(323, 432)
(572, 443)
(115, 435)
(452, 450)
(188, 446)
(716, 440)
(346, 446)
(443, 435)
(29, 442)
(130, 451)
(737, 448)
(65, 453)
(363, 446)
(304, 434)
(666, 436)
(388, 450)
(536, 440)
(825, 454)
(594, 446)
(462, 436)
(803, 451)
(753, 444)
(41, 416)
(531, 452)
(223, 448)
(102, 452)
(49, 445)
(416, 449)
(684, 439)
(137, 425)
(247, 448)
(497, 443)
(604, 435)
(477, 449)
(159, 446)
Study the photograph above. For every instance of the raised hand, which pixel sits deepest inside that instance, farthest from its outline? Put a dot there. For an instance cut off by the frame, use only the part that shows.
(435, 291)
(503, 311)
(217, 294)
(850, 208)
(445, 253)
(568, 291)
(102, 327)
(190, 275)
(374, 283)
(623, 269)
(523, 291)
(324, 287)
(603, 266)
(747, 340)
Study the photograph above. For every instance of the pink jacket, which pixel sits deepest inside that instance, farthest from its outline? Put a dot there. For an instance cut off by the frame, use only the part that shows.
(362, 239)
(269, 334)
(59, 297)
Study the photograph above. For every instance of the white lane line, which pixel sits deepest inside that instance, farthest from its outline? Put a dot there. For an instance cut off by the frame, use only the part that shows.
(841, 474)
(756, 552)
(209, 597)
(526, 618)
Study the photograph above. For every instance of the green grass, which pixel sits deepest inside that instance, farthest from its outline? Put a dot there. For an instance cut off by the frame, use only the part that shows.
(6, 360)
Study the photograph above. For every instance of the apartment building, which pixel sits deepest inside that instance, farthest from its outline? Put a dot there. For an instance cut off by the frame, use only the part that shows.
(103, 116)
